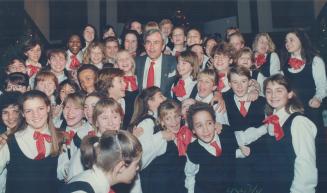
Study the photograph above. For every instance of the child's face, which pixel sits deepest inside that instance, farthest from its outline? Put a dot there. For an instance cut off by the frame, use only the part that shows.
(16, 66)
(166, 29)
(125, 62)
(206, 86)
(109, 33)
(171, 121)
(199, 52)
(89, 105)
(10, 116)
(88, 34)
(210, 44)
(292, 43)
(263, 45)
(130, 43)
(193, 37)
(128, 172)
(186, 105)
(87, 80)
(239, 84)
(155, 101)
(117, 91)
(34, 54)
(57, 62)
(178, 37)
(111, 49)
(221, 62)
(65, 90)
(236, 42)
(47, 86)
(74, 44)
(36, 113)
(73, 114)
(96, 55)
(245, 60)
(15, 87)
(136, 26)
(109, 120)
(204, 126)
(277, 95)
(184, 68)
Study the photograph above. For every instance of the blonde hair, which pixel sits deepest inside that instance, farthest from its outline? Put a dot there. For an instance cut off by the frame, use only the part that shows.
(87, 54)
(271, 45)
(209, 73)
(131, 59)
(77, 98)
(166, 106)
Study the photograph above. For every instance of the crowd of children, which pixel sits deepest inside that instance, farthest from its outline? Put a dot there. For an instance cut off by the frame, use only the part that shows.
(231, 117)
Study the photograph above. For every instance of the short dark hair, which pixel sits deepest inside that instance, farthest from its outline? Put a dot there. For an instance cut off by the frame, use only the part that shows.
(197, 107)
(17, 78)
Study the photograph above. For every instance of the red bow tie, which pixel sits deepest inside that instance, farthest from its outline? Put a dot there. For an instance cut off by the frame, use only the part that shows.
(130, 80)
(69, 135)
(32, 70)
(91, 133)
(295, 63)
(278, 130)
(184, 137)
(39, 137)
(221, 83)
(260, 60)
(74, 64)
(179, 89)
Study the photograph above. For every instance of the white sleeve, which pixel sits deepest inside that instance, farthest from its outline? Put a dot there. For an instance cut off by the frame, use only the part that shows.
(190, 170)
(274, 64)
(75, 165)
(4, 157)
(221, 118)
(303, 139)
(63, 165)
(153, 145)
(319, 76)
(239, 154)
(250, 135)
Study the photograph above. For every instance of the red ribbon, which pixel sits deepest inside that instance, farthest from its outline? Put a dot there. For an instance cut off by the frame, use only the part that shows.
(184, 137)
(74, 64)
(91, 133)
(221, 83)
(130, 80)
(69, 136)
(218, 149)
(295, 63)
(39, 137)
(179, 89)
(278, 130)
(260, 60)
(32, 70)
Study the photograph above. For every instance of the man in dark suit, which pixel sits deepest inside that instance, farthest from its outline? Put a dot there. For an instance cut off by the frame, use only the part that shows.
(155, 68)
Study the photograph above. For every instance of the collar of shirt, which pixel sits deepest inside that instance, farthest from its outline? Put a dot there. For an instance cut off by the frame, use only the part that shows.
(282, 117)
(237, 102)
(99, 66)
(208, 147)
(122, 103)
(154, 114)
(207, 99)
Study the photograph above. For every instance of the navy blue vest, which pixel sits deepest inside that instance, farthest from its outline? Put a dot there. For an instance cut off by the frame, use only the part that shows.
(29, 175)
(215, 174)
(165, 173)
(281, 159)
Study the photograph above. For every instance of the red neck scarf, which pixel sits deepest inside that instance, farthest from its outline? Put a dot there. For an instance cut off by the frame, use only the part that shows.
(295, 63)
(221, 83)
(74, 63)
(278, 130)
(32, 70)
(69, 135)
(260, 60)
(39, 137)
(184, 137)
(130, 80)
(179, 89)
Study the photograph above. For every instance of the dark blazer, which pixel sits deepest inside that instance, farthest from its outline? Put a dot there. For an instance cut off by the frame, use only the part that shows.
(168, 66)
